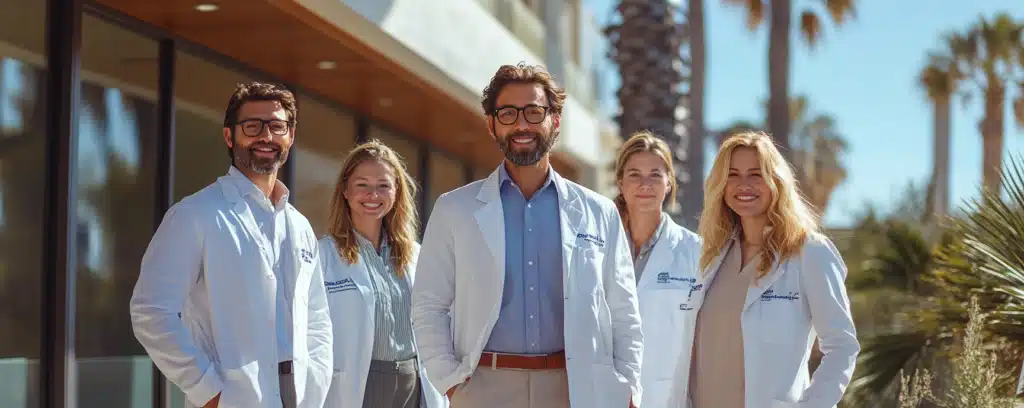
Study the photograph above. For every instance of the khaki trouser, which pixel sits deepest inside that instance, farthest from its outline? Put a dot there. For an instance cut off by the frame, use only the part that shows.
(509, 388)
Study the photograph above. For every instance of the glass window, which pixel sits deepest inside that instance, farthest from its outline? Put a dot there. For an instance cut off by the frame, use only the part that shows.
(201, 92)
(480, 173)
(446, 174)
(116, 165)
(322, 139)
(409, 150)
(22, 149)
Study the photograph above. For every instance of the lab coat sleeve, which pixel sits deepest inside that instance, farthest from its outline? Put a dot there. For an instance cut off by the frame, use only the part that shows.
(170, 268)
(620, 291)
(824, 275)
(432, 297)
(321, 337)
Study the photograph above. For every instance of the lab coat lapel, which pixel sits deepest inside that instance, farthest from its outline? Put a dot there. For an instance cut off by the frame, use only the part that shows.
(491, 221)
(570, 216)
(661, 256)
(244, 213)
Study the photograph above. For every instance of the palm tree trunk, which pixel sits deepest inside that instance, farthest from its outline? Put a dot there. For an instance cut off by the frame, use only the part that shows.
(991, 127)
(691, 192)
(940, 156)
(778, 73)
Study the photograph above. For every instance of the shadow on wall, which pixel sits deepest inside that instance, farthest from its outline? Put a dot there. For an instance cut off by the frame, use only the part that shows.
(373, 10)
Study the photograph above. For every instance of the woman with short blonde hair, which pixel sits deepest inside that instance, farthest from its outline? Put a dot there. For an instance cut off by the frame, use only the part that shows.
(368, 259)
(664, 258)
(770, 283)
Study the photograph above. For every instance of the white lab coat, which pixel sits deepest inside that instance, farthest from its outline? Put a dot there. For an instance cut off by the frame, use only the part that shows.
(461, 271)
(352, 300)
(664, 290)
(800, 299)
(206, 262)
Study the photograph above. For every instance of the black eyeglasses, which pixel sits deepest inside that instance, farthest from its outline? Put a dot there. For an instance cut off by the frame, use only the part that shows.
(253, 127)
(507, 115)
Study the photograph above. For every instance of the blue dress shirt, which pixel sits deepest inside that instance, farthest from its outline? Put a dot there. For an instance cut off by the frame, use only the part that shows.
(531, 320)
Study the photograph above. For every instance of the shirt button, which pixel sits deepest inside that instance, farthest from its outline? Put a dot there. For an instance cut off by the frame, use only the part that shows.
(528, 205)
(531, 316)
(529, 262)
(531, 288)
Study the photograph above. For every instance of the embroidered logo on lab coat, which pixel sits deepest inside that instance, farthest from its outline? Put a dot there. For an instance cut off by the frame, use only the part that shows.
(770, 295)
(306, 255)
(340, 285)
(591, 238)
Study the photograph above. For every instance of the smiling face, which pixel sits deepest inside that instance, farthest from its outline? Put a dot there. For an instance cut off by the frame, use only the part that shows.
(645, 182)
(265, 152)
(746, 192)
(524, 143)
(370, 191)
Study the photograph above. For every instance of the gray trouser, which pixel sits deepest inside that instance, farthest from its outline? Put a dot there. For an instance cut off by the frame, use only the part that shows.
(392, 384)
(287, 382)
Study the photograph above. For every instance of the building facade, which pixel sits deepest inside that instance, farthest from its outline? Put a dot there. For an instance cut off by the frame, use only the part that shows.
(111, 111)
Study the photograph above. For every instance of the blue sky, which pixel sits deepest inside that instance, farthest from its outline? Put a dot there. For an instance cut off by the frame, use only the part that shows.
(863, 74)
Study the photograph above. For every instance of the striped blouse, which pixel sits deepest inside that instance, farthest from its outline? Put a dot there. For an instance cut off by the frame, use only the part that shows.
(392, 337)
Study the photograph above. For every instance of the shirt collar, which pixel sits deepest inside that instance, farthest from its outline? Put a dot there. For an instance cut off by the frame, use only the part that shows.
(503, 177)
(247, 188)
(365, 242)
(649, 245)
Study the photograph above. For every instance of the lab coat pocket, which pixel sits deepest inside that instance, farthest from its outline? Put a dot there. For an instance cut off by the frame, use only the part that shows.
(335, 393)
(588, 271)
(780, 318)
(611, 387)
(664, 318)
(602, 331)
(784, 404)
(241, 386)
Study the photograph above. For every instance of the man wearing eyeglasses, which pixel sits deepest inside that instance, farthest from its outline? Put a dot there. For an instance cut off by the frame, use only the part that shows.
(524, 294)
(230, 301)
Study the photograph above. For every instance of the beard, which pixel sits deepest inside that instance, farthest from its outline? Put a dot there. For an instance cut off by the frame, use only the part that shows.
(542, 146)
(246, 157)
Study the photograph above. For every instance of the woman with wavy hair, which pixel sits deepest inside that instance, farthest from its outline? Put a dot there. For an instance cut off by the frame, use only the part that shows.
(664, 257)
(368, 260)
(770, 283)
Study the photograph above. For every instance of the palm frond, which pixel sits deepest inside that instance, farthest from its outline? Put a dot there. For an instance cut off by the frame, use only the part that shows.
(810, 28)
(841, 10)
(880, 362)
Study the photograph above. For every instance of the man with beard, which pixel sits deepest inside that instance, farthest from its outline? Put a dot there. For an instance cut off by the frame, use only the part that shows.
(524, 294)
(230, 302)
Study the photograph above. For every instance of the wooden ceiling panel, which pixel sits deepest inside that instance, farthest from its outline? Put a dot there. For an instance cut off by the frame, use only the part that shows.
(287, 41)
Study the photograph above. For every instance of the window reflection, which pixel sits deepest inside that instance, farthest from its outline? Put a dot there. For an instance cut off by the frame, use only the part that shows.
(446, 174)
(116, 165)
(22, 181)
(323, 138)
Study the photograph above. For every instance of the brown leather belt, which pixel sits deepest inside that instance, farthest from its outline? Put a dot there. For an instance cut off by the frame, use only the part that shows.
(284, 367)
(551, 361)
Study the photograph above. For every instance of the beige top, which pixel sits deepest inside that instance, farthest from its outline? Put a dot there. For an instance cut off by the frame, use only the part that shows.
(716, 376)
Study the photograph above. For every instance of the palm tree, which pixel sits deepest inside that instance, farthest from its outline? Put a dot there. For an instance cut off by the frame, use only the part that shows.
(981, 257)
(940, 79)
(988, 55)
(779, 20)
(647, 45)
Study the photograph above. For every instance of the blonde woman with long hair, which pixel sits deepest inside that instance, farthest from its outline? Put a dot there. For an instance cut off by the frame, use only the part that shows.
(664, 254)
(368, 258)
(770, 283)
